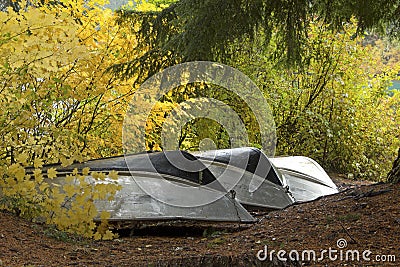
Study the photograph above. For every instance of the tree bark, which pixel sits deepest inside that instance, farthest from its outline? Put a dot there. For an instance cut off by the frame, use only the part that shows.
(394, 174)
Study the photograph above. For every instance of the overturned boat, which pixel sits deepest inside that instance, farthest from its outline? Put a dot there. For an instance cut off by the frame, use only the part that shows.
(306, 179)
(215, 185)
(248, 172)
(264, 182)
(153, 189)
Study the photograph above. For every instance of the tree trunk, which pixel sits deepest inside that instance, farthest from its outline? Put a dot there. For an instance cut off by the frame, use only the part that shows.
(394, 174)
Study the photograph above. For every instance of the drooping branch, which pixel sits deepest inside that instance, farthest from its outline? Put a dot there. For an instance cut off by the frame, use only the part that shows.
(206, 30)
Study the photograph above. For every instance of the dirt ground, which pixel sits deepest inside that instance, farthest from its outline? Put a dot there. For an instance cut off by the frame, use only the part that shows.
(364, 218)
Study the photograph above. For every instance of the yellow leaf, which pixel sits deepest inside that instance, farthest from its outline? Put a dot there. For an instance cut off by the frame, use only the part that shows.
(69, 189)
(22, 158)
(20, 174)
(157, 147)
(98, 175)
(97, 236)
(37, 163)
(113, 175)
(66, 162)
(38, 176)
(51, 173)
(104, 215)
(85, 171)
(108, 235)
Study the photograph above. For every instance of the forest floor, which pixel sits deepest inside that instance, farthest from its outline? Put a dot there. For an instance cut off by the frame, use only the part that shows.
(364, 220)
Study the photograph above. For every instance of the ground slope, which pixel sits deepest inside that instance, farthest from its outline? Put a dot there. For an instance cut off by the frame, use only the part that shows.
(362, 217)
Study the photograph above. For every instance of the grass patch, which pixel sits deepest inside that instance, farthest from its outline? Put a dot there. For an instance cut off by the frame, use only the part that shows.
(54, 233)
(216, 242)
(350, 217)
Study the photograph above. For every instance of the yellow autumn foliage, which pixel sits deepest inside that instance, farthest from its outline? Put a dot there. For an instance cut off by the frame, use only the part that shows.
(60, 104)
